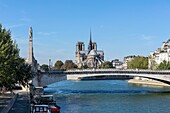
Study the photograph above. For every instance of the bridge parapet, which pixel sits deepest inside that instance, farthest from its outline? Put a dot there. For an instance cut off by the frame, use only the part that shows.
(111, 69)
(76, 71)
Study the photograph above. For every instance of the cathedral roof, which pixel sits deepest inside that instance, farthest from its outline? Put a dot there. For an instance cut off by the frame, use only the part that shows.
(93, 53)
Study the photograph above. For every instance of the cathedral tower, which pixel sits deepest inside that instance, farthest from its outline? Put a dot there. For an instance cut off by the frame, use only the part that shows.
(80, 46)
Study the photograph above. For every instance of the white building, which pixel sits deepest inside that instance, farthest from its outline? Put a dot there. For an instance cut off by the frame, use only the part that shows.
(160, 55)
(117, 64)
(127, 59)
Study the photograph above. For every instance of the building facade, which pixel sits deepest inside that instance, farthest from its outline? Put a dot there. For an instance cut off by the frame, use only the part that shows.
(158, 56)
(91, 57)
(117, 64)
(126, 60)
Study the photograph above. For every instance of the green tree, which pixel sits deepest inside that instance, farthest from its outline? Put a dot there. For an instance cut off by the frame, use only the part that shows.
(9, 56)
(69, 65)
(24, 73)
(106, 65)
(164, 65)
(45, 67)
(10, 61)
(58, 65)
(138, 62)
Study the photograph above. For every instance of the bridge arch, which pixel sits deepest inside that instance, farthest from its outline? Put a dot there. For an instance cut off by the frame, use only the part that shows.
(120, 77)
(162, 76)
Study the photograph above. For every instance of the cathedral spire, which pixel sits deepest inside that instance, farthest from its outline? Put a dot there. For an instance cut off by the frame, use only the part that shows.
(90, 43)
(90, 37)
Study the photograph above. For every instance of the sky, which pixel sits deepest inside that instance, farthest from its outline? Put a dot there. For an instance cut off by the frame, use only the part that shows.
(119, 27)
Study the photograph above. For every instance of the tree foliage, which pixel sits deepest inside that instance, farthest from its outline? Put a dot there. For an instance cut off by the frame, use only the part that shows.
(24, 73)
(164, 65)
(12, 66)
(58, 65)
(45, 67)
(69, 65)
(106, 65)
(138, 62)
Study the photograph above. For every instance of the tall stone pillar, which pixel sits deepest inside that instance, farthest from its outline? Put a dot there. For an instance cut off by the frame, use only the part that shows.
(30, 51)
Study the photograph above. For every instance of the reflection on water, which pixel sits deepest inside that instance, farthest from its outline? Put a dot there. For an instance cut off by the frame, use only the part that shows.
(109, 96)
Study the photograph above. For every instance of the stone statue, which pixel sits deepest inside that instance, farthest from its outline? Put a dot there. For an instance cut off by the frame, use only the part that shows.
(30, 33)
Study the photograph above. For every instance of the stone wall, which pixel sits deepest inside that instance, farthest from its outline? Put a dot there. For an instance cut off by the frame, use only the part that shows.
(45, 79)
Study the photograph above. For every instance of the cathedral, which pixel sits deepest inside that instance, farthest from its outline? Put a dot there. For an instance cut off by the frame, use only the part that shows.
(91, 57)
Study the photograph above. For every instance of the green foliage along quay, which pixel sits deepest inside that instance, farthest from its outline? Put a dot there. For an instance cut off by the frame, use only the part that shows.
(164, 65)
(45, 67)
(138, 62)
(13, 69)
(58, 65)
(68, 64)
(106, 65)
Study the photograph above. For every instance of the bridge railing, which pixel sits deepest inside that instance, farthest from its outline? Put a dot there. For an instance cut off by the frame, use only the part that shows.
(111, 69)
(141, 71)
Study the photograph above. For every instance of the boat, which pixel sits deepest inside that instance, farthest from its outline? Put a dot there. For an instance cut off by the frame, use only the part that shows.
(43, 108)
(43, 103)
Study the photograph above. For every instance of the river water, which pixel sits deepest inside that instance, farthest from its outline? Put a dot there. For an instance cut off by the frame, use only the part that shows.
(109, 96)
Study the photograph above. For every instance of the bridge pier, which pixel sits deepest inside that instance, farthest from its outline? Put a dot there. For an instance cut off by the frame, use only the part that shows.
(44, 79)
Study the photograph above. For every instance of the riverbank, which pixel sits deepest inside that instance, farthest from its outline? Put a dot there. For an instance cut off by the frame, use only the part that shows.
(147, 82)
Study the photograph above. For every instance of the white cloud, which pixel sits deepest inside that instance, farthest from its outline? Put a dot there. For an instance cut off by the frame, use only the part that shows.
(25, 19)
(24, 16)
(47, 33)
(147, 38)
(16, 25)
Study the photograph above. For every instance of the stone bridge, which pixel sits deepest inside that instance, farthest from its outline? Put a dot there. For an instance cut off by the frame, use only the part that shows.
(96, 74)
(163, 76)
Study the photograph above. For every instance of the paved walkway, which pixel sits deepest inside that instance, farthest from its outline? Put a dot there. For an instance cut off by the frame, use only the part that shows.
(5, 100)
(21, 104)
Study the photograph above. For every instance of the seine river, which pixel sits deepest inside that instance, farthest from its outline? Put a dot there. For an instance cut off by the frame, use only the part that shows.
(109, 96)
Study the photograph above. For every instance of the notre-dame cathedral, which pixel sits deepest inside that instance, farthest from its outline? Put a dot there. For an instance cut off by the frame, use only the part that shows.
(91, 57)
